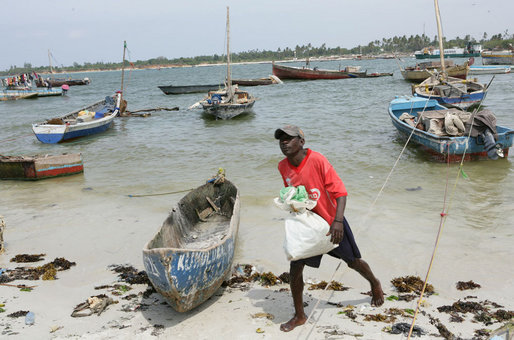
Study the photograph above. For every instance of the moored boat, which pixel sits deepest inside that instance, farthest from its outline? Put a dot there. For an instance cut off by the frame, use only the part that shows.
(428, 124)
(290, 72)
(93, 119)
(10, 96)
(451, 92)
(424, 70)
(177, 89)
(34, 91)
(58, 82)
(257, 82)
(500, 69)
(191, 255)
(455, 52)
(229, 102)
(40, 166)
(505, 57)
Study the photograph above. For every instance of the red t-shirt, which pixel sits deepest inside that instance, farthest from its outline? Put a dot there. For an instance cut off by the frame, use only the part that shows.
(320, 180)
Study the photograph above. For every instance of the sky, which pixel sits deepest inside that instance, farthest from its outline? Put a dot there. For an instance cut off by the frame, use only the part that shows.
(94, 30)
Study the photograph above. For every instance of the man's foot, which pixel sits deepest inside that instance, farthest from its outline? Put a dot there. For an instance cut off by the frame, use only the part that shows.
(377, 295)
(291, 324)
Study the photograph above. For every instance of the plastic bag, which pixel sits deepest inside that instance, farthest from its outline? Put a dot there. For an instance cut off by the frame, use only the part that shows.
(306, 232)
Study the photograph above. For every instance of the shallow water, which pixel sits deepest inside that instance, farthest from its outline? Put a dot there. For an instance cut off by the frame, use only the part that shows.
(346, 120)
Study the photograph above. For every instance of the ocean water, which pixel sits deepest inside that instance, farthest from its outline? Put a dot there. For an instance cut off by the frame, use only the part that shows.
(171, 151)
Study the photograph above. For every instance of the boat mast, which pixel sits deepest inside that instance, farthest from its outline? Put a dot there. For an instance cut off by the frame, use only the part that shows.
(123, 67)
(50, 62)
(229, 78)
(440, 34)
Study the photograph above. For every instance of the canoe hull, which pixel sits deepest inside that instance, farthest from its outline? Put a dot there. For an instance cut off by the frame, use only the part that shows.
(170, 89)
(286, 72)
(40, 167)
(498, 57)
(188, 277)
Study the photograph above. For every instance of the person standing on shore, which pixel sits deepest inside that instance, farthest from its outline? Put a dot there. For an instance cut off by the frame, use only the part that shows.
(312, 170)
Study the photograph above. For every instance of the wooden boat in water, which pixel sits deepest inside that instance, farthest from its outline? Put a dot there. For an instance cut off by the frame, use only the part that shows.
(451, 92)
(191, 255)
(290, 72)
(429, 123)
(33, 92)
(93, 119)
(58, 82)
(11, 96)
(229, 102)
(495, 69)
(505, 57)
(424, 70)
(40, 166)
(170, 89)
(257, 82)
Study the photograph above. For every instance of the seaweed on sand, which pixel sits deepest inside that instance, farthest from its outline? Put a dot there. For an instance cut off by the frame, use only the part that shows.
(408, 284)
(24, 258)
(334, 285)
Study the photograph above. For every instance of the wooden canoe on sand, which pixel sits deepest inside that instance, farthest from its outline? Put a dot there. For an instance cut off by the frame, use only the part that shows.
(191, 255)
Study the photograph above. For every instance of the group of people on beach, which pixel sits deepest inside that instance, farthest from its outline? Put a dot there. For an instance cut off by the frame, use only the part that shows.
(303, 166)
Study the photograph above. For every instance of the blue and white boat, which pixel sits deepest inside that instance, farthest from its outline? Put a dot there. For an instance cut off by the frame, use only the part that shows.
(90, 120)
(477, 69)
(451, 92)
(191, 255)
(33, 91)
(416, 116)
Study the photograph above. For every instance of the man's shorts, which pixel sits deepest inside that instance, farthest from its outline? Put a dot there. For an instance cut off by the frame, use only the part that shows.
(346, 251)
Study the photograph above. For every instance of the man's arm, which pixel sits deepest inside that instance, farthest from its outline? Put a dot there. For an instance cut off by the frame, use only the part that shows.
(336, 228)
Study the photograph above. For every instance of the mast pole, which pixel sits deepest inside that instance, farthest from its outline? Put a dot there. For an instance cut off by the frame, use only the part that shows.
(229, 78)
(440, 34)
(50, 62)
(123, 67)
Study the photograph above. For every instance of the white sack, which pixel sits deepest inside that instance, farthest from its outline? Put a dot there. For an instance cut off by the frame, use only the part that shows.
(306, 232)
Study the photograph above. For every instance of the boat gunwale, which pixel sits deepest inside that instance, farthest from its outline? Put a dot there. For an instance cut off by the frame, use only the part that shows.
(230, 230)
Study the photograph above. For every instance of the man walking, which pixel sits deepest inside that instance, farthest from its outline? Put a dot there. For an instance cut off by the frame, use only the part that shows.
(312, 170)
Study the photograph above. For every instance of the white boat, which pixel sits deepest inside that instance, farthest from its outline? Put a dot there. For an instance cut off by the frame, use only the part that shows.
(488, 69)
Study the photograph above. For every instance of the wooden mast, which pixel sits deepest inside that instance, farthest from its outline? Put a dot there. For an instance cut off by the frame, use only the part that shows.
(440, 35)
(50, 63)
(123, 67)
(229, 78)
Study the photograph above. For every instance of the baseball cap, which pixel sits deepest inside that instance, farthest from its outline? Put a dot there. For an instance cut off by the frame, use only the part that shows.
(291, 130)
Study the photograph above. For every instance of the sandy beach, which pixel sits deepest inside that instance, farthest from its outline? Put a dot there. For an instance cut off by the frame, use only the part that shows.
(252, 310)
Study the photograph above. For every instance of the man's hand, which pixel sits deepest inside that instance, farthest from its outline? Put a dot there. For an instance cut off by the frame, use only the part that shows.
(336, 231)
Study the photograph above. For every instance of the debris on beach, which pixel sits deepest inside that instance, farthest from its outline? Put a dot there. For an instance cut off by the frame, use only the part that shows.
(445, 333)
(409, 284)
(96, 304)
(334, 285)
(379, 318)
(25, 258)
(46, 272)
(18, 314)
(481, 311)
(263, 315)
(404, 328)
(246, 273)
(467, 285)
(130, 275)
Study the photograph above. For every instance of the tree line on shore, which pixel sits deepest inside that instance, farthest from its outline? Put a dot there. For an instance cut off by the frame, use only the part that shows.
(396, 44)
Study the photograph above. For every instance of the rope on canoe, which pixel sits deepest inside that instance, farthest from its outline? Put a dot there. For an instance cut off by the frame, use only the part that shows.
(160, 193)
(218, 178)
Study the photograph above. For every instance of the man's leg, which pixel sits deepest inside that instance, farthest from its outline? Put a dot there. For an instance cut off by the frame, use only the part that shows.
(377, 295)
(296, 283)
